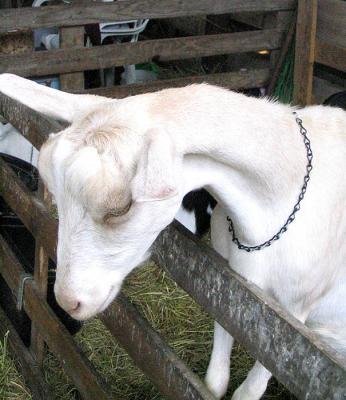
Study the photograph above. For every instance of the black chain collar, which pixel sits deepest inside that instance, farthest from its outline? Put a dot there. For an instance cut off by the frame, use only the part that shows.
(296, 208)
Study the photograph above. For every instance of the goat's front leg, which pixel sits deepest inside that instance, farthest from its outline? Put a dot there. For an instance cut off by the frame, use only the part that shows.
(48, 101)
(254, 385)
(217, 377)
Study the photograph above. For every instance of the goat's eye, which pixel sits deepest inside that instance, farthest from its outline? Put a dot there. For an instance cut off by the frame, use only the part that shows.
(117, 212)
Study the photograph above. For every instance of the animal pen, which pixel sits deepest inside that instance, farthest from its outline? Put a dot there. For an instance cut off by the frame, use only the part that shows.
(283, 345)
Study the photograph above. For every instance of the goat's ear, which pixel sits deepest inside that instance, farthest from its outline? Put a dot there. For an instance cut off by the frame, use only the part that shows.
(158, 169)
(48, 101)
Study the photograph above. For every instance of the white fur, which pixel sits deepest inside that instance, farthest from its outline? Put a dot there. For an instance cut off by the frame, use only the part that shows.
(247, 152)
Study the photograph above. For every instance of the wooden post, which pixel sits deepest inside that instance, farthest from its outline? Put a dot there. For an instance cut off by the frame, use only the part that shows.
(280, 21)
(41, 279)
(282, 53)
(305, 52)
(72, 37)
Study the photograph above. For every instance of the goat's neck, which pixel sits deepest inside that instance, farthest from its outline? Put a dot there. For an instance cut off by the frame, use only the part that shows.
(255, 174)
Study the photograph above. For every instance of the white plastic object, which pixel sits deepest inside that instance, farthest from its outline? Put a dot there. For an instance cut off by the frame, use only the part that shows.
(39, 34)
(51, 41)
(132, 75)
(15, 144)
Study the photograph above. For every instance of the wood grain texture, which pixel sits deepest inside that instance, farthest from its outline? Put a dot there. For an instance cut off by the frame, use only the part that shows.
(151, 354)
(280, 58)
(81, 14)
(331, 22)
(79, 59)
(72, 38)
(25, 362)
(37, 344)
(322, 89)
(332, 55)
(232, 80)
(285, 346)
(305, 52)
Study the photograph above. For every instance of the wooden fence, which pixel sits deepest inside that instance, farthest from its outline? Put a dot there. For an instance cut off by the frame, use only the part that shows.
(321, 38)
(286, 347)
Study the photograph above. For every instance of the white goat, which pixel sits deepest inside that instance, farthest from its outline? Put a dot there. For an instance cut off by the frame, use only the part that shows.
(118, 178)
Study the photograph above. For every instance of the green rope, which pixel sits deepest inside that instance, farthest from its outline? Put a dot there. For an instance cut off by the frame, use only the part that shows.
(284, 86)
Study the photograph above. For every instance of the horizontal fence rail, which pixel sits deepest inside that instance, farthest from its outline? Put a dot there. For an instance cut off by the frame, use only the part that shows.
(284, 345)
(79, 59)
(233, 80)
(14, 20)
(331, 55)
(151, 354)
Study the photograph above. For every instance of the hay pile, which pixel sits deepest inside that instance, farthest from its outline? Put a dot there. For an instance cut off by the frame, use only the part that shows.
(172, 312)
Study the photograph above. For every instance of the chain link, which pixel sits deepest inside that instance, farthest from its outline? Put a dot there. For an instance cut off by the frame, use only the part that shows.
(296, 207)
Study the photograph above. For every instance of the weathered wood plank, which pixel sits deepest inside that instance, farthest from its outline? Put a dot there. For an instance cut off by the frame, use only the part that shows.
(71, 38)
(305, 52)
(151, 354)
(75, 363)
(25, 361)
(331, 55)
(33, 126)
(37, 344)
(285, 346)
(79, 59)
(232, 80)
(36, 215)
(331, 26)
(322, 89)
(31, 211)
(73, 15)
(282, 55)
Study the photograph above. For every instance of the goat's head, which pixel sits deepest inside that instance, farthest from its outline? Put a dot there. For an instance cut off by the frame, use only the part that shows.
(115, 188)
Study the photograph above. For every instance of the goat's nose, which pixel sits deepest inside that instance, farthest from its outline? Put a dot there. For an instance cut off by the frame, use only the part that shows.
(68, 302)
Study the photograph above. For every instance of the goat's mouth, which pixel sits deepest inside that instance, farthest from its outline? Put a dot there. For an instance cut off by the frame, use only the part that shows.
(111, 296)
(86, 312)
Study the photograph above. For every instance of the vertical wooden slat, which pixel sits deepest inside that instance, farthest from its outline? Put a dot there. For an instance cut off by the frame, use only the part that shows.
(72, 37)
(282, 55)
(41, 278)
(305, 51)
(280, 21)
(25, 361)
